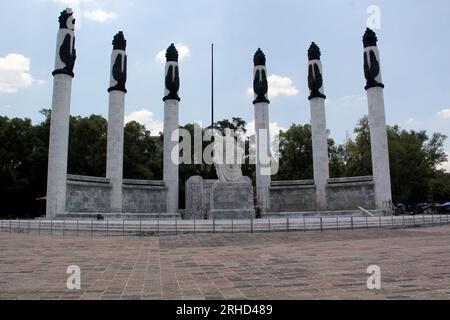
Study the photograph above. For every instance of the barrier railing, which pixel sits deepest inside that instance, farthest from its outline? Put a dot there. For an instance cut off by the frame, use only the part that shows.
(111, 228)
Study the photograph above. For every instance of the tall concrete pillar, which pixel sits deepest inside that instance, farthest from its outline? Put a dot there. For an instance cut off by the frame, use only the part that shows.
(262, 131)
(171, 126)
(318, 126)
(377, 120)
(117, 91)
(60, 117)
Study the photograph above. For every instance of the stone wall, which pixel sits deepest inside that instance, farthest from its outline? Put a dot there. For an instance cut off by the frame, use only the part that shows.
(144, 196)
(341, 194)
(93, 195)
(292, 196)
(351, 193)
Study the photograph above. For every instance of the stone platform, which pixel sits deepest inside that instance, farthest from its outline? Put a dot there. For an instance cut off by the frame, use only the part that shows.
(323, 214)
(213, 199)
(120, 216)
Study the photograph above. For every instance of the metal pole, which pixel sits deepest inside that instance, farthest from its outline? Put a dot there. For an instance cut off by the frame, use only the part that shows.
(337, 223)
(92, 228)
(287, 224)
(212, 86)
(10, 226)
(123, 228)
(353, 226)
(176, 227)
(140, 228)
(321, 224)
(29, 223)
(64, 226)
(432, 219)
(51, 227)
(214, 225)
(158, 229)
(232, 225)
(107, 227)
(270, 226)
(251, 223)
(39, 227)
(195, 226)
(77, 229)
(380, 222)
(304, 224)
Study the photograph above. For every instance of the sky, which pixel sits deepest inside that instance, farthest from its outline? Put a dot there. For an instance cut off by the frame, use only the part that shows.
(412, 41)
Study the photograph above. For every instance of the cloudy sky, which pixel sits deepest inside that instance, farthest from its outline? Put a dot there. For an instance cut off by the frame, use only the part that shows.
(413, 43)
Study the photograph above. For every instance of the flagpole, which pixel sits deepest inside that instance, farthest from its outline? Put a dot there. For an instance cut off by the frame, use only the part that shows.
(212, 86)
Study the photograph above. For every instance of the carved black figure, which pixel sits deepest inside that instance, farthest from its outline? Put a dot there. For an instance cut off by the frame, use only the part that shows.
(67, 55)
(172, 83)
(371, 70)
(261, 86)
(119, 74)
(315, 81)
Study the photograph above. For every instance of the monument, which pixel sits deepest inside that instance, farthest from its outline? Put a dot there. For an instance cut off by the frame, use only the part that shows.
(171, 126)
(59, 127)
(318, 126)
(231, 195)
(117, 91)
(262, 133)
(377, 121)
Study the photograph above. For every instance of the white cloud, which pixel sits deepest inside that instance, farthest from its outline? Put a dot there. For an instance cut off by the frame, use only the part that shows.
(183, 51)
(278, 86)
(14, 73)
(411, 121)
(99, 15)
(444, 114)
(146, 118)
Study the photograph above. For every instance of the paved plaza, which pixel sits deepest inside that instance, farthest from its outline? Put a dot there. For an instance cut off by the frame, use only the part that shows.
(312, 265)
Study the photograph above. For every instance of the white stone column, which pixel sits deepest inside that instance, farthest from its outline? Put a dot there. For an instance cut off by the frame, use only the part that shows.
(171, 129)
(115, 149)
(377, 121)
(262, 132)
(318, 126)
(60, 116)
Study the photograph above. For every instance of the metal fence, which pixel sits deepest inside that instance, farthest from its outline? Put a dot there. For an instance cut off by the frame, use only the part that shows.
(110, 228)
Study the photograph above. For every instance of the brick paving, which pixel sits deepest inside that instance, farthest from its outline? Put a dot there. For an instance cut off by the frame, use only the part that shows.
(415, 264)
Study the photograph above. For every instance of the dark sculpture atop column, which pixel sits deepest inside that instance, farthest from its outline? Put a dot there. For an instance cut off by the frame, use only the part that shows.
(370, 38)
(119, 69)
(371, 60)
(119, 42)
(66, 20)
(260, 83)
(173, 74)
(260, 58)
(315, 79)
(172, 54)
(66, 42)
(314, 52)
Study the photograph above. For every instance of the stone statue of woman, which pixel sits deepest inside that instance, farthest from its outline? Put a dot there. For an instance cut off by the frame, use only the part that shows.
(228, 168)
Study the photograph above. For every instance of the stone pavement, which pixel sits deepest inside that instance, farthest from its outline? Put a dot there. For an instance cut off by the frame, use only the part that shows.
(331, 265)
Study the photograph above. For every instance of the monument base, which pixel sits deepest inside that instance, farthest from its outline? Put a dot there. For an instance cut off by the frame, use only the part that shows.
(211, 199)
(232, 200)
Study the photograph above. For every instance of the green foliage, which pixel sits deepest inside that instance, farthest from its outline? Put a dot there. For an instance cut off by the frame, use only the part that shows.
(415, 158)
